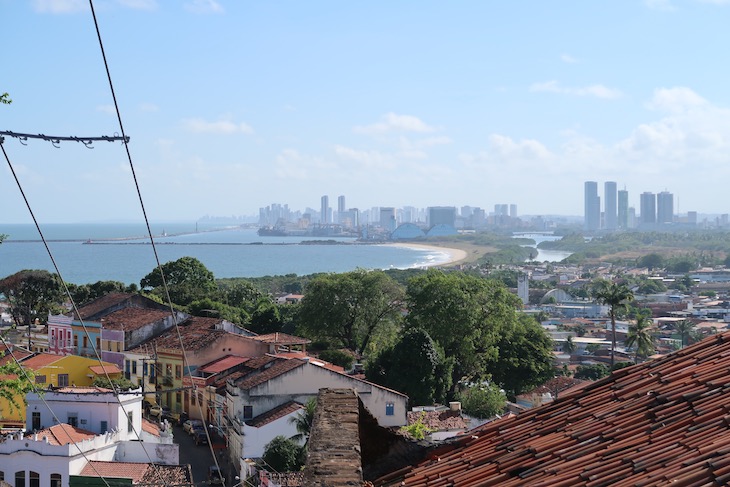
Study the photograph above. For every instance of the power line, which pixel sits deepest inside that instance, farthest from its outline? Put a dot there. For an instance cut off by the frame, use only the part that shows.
(57, 139)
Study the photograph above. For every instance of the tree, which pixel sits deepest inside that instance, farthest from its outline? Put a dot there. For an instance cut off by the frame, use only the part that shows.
(350, 308)
(5, 99)
(15, 384)
(482, 401)
(685, 329)
(338, 357)
(187, 279)
(207, 307)
(283, 455)
(651, 261)
(569, 346)
(414, 366)
(303, 421)
(591, 372)
(32, 294)
(117, 384)
(265, 318)
(466, 315)
(616, 296)
(641, 336)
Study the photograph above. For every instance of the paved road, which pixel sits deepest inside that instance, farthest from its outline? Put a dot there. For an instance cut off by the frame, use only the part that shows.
(199, 457)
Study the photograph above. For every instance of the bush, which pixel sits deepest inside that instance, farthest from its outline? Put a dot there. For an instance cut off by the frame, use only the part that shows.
(483, 401)
(283, 455)
(338, 357)
(591, 372)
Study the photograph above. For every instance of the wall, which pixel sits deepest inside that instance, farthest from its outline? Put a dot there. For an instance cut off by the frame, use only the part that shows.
(255, 439)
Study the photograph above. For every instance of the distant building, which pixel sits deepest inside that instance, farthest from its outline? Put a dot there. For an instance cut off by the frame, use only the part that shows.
(623, 209)
(665, 207)
(592, 206)
(340, 208)
(523, 287)
(647, 208)
(441, 215)
(513, 211)
(324, 210)
(387, 218)
(610, 205)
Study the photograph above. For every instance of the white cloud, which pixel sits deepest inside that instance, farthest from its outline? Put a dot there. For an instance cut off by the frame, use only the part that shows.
(598, 91)
(204, 7)
(716, 2)
(676, 99)
(225, 127)
(108, 109)
(59, 6)
(392, 122)
(149, 107)
(567, 58)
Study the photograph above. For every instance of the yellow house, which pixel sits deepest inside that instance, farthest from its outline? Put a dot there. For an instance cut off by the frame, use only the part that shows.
(57, 371)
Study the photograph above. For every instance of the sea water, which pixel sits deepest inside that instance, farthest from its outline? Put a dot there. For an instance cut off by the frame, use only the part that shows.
(87, 253)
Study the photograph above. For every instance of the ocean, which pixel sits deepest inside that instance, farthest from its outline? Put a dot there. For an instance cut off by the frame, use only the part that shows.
(87, 253)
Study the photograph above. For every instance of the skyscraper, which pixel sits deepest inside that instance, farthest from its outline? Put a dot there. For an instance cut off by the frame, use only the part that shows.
(325, 210)
(665, 207)
(610, 214)
(623, 209)
(647, 208)
(592, 215)
(341, 209)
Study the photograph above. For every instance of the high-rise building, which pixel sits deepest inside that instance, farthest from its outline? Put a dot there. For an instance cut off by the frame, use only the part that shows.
(592, 203)
(387, 218)
(513, 211)
(610, 213)
(341, 208)
(647, 208)
(523, 287)
(623, 209)
(325, 210)
(665, 207)
(441, 215)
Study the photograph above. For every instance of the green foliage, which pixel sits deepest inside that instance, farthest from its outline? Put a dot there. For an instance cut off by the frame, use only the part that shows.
(569, 346)
(684, 328)
(282, 454)
(414, 366)
(593, 347)
(5, 99)
(338, 357)
(15, 384)
(303, 421)
(118, 384)
(651, 261)
(206, 307)
(266, 318)
(591, 372)
(641, 336)
(187, 279)
(708, 293)
(85, 293)
(616, 296)
(417, 430)
(31, 294)
(482, 401)
(348, 309)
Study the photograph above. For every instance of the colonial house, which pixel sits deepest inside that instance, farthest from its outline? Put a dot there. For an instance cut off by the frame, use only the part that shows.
(267, 383)
(71, 426)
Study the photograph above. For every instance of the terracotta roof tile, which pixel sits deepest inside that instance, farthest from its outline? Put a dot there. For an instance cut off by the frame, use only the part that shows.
(196, 333)
(281, 339)
(103, 303)
(222, 364)
(41, 360)
(105, 369)
(264, 374)
(664, 421)
(144, 473)
(274, 414)
(150, 427)
(63, 434)
(130, 319)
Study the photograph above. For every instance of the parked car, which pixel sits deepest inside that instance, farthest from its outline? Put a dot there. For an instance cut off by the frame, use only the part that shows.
(200, 437)
(214, 475)
(159, 412)
(190, 423)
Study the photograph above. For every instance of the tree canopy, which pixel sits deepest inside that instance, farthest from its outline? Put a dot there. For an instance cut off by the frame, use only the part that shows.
(615, 296)
(187, 279)
(31, 294)
(348, 309)
(282, 454)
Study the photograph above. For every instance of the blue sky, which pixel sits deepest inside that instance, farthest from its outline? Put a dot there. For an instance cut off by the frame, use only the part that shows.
(233, 105)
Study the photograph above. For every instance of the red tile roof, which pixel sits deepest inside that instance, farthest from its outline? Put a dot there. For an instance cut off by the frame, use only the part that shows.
(144, 473)
(130, 319)
(274, 414)
(41, 360)
(253, 378)
(100, 304)
(661, 422)
(196, 333)
(150, 427)
(222, 364)
(281, 339)
(63, 434)
(105, 369)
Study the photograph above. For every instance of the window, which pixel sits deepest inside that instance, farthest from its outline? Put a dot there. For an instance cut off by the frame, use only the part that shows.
(178, 398)
(389, 409)
(98, 343)
(168, 370)
(55, 480)
(144, 368)
(2, 475)
(86, 341)
(36, 421)
(178, 371)
(62, 380)
(40, 379)
(73, 419)
(35, 479)
(134, 367)
(104, 427)
(76, 341)
(20, 478)
(130, 424)
(247, 412)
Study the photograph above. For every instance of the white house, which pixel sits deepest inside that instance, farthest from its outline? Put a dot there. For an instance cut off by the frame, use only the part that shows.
(271, 381)
(259, 431)
(73, 425)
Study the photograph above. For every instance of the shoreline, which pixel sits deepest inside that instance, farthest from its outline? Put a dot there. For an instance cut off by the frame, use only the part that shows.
(454, 256)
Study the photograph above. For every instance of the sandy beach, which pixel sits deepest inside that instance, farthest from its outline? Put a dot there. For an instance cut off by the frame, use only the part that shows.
(453, 256)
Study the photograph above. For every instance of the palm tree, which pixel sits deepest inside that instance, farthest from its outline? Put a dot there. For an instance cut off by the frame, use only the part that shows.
(569, 345)
(685, 329)
(303, 421)
(641, 336)
(616, 296)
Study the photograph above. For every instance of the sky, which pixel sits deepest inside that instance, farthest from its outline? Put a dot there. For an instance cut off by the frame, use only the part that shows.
(233, 105)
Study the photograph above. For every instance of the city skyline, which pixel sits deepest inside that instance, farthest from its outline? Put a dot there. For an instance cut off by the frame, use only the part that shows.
(230, 106)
